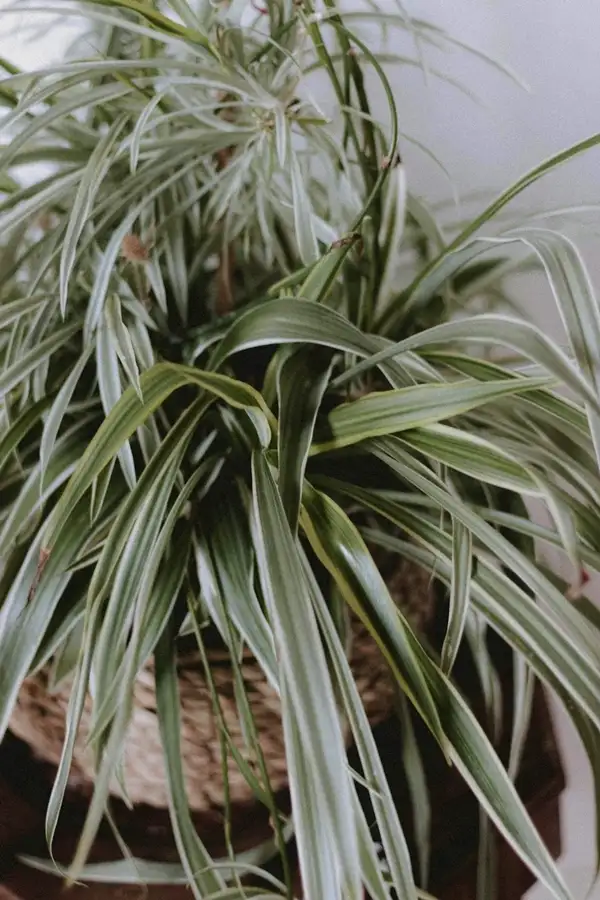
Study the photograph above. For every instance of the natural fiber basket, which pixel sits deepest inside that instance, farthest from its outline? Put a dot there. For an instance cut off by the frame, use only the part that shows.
(39, 715)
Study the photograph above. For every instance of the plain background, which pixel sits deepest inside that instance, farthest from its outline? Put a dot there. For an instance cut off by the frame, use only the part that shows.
(553, 45)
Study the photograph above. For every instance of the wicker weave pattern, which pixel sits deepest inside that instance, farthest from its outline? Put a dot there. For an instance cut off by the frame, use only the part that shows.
(39, 716)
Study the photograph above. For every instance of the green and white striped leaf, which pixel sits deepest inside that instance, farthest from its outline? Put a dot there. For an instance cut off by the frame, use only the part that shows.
(416, 780)
(303, 380)
(462, 563)
(423, 479)
(473, 455)
(233, 562)
(477, 762)
(319, 781)
(459, 251)
(492, 330)
(392, 835)
(294, 321)
(16, 373)
(197, 863)
(122, 341)
(340, 548)
(129, 413)
(22, 633)
(479, 765)
(91, 181)
(303, 222)
(58, 410)
(576, 304)
(20, 428)
(388, 412)
(12, 311)
(111, 391)
(519, 619)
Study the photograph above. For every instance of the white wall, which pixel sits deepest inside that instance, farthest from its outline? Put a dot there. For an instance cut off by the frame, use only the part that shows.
(552, 44)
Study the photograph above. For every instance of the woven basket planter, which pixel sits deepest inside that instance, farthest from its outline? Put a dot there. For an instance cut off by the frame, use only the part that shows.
(39, 715)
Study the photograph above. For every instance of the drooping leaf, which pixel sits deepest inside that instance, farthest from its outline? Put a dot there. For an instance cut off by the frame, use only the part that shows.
(129, 413)
(48, 576)
(319, 781)
(507, 607)
(388, 412)
(462, 562)
(422, 478)
(493, 330)
(479, 765)
(195, 858)
(340, 548)
(91, 181)
(298, 321)
(302, 382)
(386, 814)
(58, 410)
(449, 260)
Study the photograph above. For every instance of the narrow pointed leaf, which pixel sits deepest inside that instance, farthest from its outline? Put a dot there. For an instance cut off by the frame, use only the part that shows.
(462, 561)
(129, 413)
(392, 835)
(91, 182)
(558, 606)
(492, 330)
(307, 701)
(25, 365)
(479, 765)
(292, 321)
(122, 341)
(59, 408)
(303, 380)
(338, 544)
(388, 412)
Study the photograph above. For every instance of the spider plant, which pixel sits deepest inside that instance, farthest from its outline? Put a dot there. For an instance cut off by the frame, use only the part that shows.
(217, 292)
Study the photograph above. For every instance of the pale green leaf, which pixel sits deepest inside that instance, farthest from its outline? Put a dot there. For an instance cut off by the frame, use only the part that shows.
(473, 455)
(558, 606)
(511, 611)
(386, 814)
(58, 410)
(233, 562)
(319, 781)
(416, 780)
(20, 638)
(340, 548)
(122, 341)
(436, 272)
(303, 222)
(13, 310)
(303, 380)
(111, 390)
(462, 562)
(477, 762)
(196, 861)
(29, 361)
(91, 182)
(129, 413)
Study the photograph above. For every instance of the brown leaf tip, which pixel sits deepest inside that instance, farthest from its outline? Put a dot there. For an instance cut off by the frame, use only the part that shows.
(347, 240)
(576, 589)
(41, 565)
(390, 162)
(133, 249)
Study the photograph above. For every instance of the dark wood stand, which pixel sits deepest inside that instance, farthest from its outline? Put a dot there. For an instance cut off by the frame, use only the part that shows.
(24, 790)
